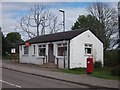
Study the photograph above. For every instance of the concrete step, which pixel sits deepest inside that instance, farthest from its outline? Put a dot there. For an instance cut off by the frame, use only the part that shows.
(49, 65)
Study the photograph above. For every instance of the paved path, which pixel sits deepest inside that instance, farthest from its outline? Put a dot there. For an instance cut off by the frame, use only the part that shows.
(78, 79)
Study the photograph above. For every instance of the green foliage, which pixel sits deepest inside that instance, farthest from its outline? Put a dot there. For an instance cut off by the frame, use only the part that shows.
(116, 71)
(5, 45)
(89, 22)
(74, 70)
(111, 58)
(86, 22)
(103, 72)
(97, 64)
(12, 40)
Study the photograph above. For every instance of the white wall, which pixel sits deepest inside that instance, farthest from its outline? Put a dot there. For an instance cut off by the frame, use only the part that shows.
(35, 59)
(31, 58)
(77, 49)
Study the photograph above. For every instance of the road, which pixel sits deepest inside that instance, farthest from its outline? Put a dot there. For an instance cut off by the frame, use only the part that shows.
(13, 79)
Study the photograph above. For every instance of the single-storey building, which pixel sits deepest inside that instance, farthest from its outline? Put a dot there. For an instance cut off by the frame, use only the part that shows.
(68, 49)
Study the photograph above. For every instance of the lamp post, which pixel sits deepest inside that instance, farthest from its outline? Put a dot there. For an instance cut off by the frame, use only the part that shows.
(63, 31)
(63, 19)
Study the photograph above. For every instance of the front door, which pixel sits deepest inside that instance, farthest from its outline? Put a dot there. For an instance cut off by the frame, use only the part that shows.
(50, 53)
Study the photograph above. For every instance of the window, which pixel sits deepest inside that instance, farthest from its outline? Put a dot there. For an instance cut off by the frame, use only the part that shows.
(61, 49)
(88, 49)
(25, 50)
(33, 49)
(41, 50)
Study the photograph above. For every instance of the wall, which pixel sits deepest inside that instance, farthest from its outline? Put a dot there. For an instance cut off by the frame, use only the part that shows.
(31, 58)
(35, 59)
(77, 49)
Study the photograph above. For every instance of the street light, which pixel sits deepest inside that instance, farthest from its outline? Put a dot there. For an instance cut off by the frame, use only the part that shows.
(63, 19)
(63, 31)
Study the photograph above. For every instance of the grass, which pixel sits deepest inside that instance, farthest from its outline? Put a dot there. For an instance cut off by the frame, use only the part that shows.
(104, 73)
(74, 71)
(100, 73)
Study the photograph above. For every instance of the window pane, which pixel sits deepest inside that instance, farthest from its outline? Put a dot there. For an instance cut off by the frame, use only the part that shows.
(34, 49)
(41, 51)
(25, 50)
(43, 45)
(88, 50)
(61, 51)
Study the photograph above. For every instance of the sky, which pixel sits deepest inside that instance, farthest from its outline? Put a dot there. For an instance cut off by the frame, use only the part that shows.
(12, 11)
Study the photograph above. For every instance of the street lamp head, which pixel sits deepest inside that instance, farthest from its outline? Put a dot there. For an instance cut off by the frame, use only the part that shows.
(61, 11)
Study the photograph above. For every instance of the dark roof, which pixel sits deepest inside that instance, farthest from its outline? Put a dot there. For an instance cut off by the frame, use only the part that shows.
(67, 35)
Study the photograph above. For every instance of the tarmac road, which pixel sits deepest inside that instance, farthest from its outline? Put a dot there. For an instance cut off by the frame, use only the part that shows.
(13, 79)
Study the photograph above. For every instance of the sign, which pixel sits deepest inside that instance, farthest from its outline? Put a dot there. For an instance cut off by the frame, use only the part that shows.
(27, 44)
(13, 50)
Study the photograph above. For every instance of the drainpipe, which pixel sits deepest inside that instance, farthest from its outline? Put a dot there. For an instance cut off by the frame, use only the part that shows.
(69, 54)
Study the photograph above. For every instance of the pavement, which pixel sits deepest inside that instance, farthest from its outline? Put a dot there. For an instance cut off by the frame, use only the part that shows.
(83, 79)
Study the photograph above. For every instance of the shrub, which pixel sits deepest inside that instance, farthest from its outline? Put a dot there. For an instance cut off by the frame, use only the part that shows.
(111, 58)
(97, 64)
(115, 71)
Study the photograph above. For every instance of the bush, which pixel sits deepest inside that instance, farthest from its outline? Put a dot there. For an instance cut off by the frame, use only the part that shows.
(111, 58)
(115, 71)
(97, 64)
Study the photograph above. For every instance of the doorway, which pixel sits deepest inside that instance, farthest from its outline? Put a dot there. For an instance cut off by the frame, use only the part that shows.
(50, 53)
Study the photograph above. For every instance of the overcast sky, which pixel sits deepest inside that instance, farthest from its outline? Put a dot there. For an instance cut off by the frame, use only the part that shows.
(13, 11)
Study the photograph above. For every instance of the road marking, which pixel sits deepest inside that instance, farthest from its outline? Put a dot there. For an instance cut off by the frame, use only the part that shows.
(10, 84)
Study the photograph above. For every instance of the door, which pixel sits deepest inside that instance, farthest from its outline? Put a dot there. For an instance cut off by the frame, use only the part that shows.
(50, 53)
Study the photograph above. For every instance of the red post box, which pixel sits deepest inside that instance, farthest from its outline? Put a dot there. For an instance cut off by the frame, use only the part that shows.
(89, 65)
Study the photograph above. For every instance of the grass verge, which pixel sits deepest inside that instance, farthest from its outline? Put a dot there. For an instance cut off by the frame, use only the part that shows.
(103, 72)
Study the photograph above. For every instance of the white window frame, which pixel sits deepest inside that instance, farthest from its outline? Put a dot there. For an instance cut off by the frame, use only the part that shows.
(41, 46)
(24, 50)
(87, 45)
(61, 45)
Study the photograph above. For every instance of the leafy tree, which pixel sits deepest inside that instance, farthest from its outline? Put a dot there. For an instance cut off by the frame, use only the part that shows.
(107, 16)
(102, 21)
(13, 39)
(89, 22)
(4, 45)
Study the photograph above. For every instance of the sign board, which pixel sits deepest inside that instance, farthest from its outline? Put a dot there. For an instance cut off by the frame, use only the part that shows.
(12, 50)
(27, 44)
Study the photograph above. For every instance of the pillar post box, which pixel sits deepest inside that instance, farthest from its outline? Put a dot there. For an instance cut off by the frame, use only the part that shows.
(89, 68)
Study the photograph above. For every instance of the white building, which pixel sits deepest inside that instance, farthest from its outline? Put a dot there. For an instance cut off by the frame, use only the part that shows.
(77, 45)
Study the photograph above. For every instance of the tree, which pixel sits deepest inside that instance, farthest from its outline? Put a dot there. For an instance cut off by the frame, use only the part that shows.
(0, 41)
(38, 19)
(13, 39)
(54, 26)
(107, 16)
(3, 44)
(102, 21)
(89, 22)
